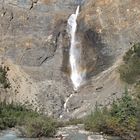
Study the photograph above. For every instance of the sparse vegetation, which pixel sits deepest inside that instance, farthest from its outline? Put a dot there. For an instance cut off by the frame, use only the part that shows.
(3, 77)
(120, 119)
(72, 121)
(34, 124)
(11, 115)
(130, 70)
(40, 126)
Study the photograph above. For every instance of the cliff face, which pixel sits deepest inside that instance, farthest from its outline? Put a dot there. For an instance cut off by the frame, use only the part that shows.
(34, 45)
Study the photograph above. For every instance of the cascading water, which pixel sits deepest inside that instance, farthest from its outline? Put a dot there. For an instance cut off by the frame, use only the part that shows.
(65, 104)
(76, 75)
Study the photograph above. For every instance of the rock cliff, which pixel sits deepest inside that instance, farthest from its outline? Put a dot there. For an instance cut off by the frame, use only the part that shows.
(34, 45)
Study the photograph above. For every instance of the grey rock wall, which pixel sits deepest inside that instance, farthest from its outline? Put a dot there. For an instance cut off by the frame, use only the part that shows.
(34, 44)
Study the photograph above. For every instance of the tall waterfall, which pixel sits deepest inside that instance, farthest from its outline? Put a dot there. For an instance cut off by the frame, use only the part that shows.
(74, 54)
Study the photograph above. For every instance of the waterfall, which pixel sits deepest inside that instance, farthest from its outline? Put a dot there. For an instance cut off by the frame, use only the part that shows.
(65, 104)
(74, 54)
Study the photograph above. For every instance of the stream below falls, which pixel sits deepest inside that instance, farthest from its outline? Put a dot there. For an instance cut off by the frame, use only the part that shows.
(68, 133)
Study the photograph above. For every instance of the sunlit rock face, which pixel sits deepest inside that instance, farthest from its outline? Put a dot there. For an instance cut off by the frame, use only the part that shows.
(34, 43)
(116, 22)
(107, 29)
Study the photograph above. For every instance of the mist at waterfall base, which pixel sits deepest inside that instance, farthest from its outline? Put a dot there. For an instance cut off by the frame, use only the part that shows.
(77, 76)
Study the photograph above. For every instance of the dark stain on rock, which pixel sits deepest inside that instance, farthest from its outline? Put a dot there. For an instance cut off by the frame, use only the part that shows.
(96, 59)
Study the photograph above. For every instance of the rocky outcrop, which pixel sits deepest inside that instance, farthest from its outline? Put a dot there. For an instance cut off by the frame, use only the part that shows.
(34, 45)
(31, 46)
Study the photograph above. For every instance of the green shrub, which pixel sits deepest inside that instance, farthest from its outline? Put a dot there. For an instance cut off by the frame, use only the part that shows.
(137, 94)
(130, 70)
(36, 125)
(96, 120)
(3, 77)
(72, 121)
(120, 119)
(1, 124)
(125, 108)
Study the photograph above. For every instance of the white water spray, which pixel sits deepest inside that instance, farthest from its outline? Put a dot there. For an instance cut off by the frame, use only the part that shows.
(76, 75)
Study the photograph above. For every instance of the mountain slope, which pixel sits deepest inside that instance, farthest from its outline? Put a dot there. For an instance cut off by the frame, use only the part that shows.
(34, 45)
